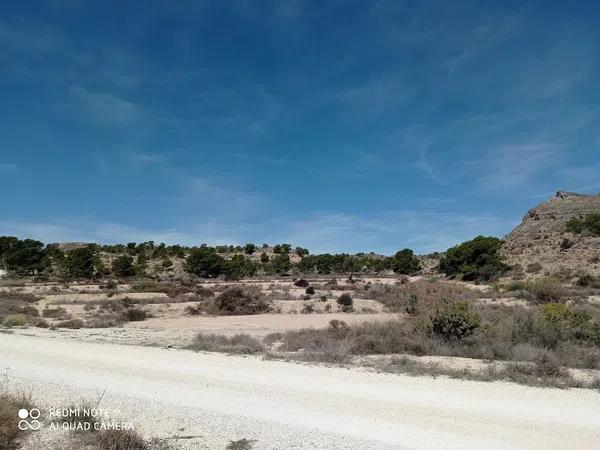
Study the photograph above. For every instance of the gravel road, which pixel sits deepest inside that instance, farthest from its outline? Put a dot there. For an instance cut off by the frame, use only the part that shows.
(214, 398)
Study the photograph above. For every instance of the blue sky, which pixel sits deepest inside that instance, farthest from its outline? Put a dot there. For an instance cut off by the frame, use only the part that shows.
(338, 126)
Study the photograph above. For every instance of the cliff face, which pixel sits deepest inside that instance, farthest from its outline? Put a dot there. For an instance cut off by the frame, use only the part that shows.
(541, 239)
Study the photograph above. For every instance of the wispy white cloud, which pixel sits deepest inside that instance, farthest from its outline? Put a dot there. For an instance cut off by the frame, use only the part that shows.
(104, 107)
(7, 168)
(137, 158)
(514, 165)
(425, 231)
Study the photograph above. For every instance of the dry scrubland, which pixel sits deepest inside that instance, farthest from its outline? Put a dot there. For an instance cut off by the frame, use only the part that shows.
(540, 332)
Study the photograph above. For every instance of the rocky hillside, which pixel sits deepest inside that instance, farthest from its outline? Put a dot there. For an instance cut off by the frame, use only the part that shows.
(541, 245)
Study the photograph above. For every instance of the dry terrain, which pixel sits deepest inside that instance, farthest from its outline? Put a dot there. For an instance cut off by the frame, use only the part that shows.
(209, 399)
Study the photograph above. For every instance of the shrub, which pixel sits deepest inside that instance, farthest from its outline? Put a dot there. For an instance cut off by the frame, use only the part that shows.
(556, 312)
(308, 309)
(238, 301)
(544, 289)
(534, 268)
(15, 320)
(310, 290)
(10, 434)
(345, 301)
(135, 314)
(72, 323)
(590, 224)
(301, 283)
(55, 313)
(406, 262)
(588, 281)
(122, 266)
(454, 321)
(514, 286)
(205, 262)
(240, 343)
(477, 259)
(241, 444)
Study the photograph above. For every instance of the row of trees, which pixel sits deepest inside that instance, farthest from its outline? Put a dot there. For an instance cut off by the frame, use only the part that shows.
(477, 259)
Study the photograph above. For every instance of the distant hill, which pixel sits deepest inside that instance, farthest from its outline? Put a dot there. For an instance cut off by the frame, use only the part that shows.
(542, 245)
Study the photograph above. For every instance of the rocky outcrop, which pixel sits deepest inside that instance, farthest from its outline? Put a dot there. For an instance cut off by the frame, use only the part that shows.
(541, 244)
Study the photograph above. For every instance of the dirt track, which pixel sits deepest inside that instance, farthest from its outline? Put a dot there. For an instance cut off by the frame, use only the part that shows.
(281, 405)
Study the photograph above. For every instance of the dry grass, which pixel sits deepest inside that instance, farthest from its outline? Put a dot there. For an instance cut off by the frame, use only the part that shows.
(399, 298)
(239, 344)
(55, 313)
(10, 403)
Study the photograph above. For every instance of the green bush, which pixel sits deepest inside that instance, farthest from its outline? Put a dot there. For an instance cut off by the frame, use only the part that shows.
(455, 321)
(205, 262)
(310, 290)
(122, 266)
(474, 260)
(301, 283)
(345, 301)
(80, 262)
(406, 262)
(590, 224)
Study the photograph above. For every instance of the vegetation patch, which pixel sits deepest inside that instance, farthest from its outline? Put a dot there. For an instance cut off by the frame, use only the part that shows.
(240, 344)
(474, 260)
(588, 225)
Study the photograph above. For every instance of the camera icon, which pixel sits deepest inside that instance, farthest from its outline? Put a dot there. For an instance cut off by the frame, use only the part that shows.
(29, 419)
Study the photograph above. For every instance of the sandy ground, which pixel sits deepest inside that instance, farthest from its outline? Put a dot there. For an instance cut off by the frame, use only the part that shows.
(216, 398)
(180, 331)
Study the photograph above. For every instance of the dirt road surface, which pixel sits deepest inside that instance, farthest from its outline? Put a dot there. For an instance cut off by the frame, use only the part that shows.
(214, 398)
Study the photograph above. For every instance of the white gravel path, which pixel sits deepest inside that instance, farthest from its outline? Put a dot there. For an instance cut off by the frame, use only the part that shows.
(290, 406)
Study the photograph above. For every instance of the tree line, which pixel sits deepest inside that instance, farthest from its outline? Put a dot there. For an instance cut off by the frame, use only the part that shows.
(477, 259)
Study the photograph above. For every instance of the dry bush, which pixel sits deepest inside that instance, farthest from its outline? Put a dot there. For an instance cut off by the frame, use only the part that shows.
(426, 293)
(20, 296)
(240, 301)
(11, 304)
(74, 324)
(15, 320)
(545, 289)
(135, 314)
(240, 343)
(10, 403)
(55, 313)
(241, 444)
(503, 333)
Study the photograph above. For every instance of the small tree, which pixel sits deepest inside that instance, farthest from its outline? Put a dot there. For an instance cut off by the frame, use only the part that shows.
(205, 262)
(301, 251)
(249, 249)
(122, 266)
(406, 262)
(79, 262)
(477, 259)
(264, 258)
(345, 301)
